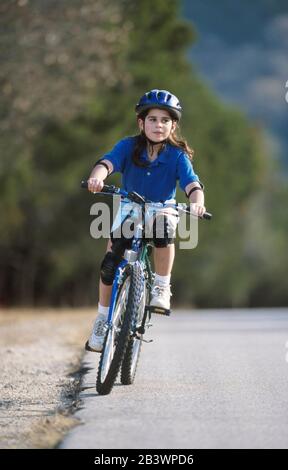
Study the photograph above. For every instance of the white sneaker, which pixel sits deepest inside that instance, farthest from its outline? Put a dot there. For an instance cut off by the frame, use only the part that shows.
(161, 297)
(96, 340)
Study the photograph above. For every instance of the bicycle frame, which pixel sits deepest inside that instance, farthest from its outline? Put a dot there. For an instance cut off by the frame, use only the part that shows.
(140, 247)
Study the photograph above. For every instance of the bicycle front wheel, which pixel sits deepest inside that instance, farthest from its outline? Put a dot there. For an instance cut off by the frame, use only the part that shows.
(116, 339)
(136, 306)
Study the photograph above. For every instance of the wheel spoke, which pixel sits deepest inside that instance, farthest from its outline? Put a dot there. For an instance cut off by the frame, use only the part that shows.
(121, 302)
(107, 366)
(108, 354)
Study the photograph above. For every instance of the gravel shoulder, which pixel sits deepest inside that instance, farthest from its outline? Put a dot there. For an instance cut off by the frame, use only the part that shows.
(41, 352)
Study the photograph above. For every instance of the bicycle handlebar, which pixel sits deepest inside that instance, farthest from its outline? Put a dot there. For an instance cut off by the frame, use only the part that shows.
(134, 196)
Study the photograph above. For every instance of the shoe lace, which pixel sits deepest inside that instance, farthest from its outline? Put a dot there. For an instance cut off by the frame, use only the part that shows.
(100, 327)
(160, 290)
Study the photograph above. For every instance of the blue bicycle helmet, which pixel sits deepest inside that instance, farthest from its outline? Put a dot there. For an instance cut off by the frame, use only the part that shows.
(162, 99)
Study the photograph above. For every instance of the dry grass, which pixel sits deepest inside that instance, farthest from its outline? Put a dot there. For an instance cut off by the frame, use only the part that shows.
(40, 351)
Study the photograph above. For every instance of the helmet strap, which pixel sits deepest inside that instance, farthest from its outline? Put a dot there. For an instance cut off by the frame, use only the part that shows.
(151, 145)
(152, 142)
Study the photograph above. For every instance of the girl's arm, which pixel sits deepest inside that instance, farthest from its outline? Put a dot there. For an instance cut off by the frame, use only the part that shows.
(98, 175)
(196, 198)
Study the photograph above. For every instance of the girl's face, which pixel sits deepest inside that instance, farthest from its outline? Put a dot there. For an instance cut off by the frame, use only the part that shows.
(158, 125)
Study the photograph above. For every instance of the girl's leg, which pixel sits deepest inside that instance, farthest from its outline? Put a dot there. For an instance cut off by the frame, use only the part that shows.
(104, 290)
(163, 263)
(104, 294)
(96, 339)
(164, 259)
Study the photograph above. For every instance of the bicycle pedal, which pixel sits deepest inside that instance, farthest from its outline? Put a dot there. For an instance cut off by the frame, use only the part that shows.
(158, 310)
(147, 340)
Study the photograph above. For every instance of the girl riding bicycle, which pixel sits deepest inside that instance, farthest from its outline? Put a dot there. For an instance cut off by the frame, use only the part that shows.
(150, 163)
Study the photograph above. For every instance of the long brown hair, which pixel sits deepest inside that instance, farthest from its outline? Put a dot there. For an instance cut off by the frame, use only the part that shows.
(173, 139)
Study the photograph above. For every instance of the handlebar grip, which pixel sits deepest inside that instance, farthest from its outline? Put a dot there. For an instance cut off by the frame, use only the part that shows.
(207, 216)
(84, 185)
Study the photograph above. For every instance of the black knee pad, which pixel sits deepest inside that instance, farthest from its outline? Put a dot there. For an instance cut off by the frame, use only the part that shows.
(163, 240)
(112, 259)
(108, 268)
(119, 245)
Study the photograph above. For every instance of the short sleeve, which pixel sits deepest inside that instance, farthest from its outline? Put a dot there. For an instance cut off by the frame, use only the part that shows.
(118, 155)
(185, 171)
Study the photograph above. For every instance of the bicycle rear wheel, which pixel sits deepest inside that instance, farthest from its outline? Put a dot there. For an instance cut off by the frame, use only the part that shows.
(137, 302)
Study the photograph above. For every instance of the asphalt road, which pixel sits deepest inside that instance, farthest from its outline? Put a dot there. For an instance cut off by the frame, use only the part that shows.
(210, 379)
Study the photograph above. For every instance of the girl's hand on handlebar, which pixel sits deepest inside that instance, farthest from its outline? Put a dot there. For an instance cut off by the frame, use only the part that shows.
(197, 209)
(95, 185)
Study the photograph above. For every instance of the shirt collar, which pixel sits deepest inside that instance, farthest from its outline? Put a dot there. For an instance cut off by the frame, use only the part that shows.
(162, 158)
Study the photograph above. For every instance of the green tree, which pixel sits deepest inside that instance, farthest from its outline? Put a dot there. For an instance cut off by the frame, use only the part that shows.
(46, 251)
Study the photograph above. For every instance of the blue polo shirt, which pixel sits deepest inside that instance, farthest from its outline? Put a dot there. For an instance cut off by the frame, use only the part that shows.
(158, 180)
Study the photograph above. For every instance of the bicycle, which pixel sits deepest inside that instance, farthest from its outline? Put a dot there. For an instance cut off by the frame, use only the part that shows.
(129, 311)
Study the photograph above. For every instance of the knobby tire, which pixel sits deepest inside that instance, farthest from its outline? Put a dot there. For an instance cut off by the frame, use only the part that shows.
(136, 305)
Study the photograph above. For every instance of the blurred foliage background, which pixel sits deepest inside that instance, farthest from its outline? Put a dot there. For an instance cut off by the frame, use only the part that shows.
(71, 73)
